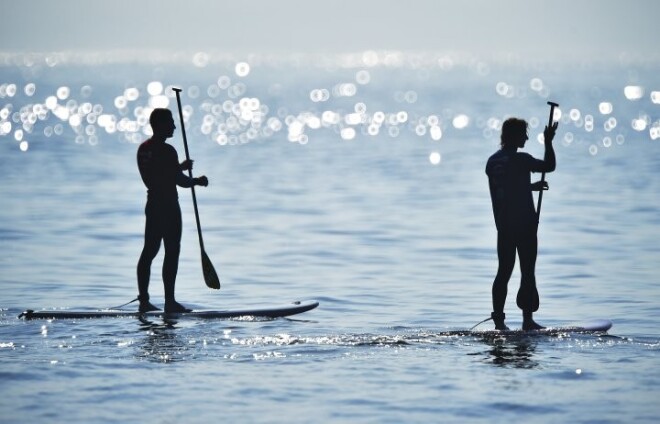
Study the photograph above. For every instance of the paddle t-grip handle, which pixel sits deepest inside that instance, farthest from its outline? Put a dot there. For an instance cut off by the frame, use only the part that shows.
(551, 118)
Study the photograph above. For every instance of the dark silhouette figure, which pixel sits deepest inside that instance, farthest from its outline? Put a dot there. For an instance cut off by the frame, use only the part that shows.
(509, 178)
(161, 172)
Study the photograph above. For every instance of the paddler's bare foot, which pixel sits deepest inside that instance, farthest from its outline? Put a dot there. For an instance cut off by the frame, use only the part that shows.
(146, 306)
(531, 325)
(174, 307)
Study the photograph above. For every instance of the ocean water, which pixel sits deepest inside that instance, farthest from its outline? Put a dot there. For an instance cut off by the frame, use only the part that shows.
(355, 181)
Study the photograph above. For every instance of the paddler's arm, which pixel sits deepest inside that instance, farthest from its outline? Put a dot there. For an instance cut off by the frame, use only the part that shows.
(549, 160)
(182, 180)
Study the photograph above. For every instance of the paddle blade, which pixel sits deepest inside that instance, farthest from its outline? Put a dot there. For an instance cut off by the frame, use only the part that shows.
(528, 298)
(210, 276)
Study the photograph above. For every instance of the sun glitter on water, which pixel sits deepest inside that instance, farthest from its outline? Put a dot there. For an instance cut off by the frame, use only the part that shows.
(234, 109)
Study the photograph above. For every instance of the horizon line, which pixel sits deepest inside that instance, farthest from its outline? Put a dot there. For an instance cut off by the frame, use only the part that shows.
(395, 58)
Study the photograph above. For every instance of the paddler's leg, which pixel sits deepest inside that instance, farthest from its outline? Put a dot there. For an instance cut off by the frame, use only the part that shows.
(528, 295)
(506, 255)
(152, 237)
(172, 241)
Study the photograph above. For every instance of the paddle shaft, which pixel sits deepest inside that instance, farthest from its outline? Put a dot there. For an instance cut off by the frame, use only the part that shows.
(185, 145)
(550, 122)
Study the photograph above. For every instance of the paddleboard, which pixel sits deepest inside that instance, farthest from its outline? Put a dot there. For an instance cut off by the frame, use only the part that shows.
(595, 326)
(276, 311)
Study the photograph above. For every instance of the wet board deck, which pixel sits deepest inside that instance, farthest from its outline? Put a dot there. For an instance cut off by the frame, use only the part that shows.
(276, 311)
(595, 326)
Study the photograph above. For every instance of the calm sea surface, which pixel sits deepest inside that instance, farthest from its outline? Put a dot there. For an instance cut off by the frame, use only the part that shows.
(360, 185)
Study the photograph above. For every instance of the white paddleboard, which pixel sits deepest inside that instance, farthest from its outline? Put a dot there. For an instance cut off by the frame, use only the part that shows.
(276, 311)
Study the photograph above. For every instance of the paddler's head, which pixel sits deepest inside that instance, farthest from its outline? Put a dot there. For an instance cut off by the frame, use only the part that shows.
(162, 123)
(514, 133)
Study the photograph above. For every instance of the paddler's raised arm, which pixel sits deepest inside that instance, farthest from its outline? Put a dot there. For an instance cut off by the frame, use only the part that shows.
(549, 159)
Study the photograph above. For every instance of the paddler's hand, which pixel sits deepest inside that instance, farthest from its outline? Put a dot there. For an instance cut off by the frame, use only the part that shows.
(549, 132)
(187, 165)
(537, 185)
(201, 181)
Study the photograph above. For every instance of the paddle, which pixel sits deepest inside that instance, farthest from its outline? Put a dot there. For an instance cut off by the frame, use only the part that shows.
(210, 276)
(550, 122)
(528, 299)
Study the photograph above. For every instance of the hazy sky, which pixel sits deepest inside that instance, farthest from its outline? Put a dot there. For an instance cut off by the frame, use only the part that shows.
(553, 29)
